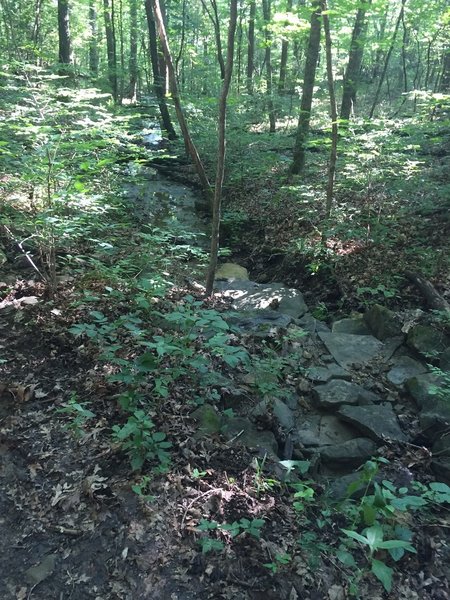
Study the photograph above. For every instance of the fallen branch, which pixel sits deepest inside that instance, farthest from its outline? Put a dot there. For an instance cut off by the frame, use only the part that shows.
(430, 293)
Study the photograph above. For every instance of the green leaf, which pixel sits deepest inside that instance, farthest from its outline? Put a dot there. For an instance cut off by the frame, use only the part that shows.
(345, 557)
(356, 536)
(383, 573)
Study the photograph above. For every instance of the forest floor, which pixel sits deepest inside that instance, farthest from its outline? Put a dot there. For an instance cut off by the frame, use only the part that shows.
(77, 523)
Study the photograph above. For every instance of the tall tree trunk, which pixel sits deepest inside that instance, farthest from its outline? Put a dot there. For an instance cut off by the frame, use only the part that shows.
(176, 99)
(333, 107)
(183, 37)
(36, 30)
(221, 149)
(312, 57)
(133, 65)
(121, 74)
(157, 81)
(444, 85)
(284, 57)
(213, 15)
(268, 61)
(65, 45)
(110, 48)
(251, 47)
(387, 59)
(93, 47)
(352, 72)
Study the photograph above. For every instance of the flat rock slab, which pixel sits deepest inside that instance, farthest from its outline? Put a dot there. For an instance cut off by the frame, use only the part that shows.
(258, 296)
(350, 349)
(260, 323)
(376, 421)
(323, 430)
(312, 325)
(404, 368)
(240, 431)
(338, 392)
(352, 453)
(355, 325)
(325, 374)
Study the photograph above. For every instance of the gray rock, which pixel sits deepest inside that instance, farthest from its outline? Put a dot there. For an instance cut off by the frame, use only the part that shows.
(349, 349)
(382, 322)
(444, 364)
(354, 325)
(422, 389)
(435, 420)
(283, 415)
(404, 368)
(272, 296)
(232, 272)
(338, 392)
(312, 325)
(258, 323)
(441, 469)
(324, 374)
(427, 341)
(242, 432)
(376, 422)
(323, 430)
(352, 453)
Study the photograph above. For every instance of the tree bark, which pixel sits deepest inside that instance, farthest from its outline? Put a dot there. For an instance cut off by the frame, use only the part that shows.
(93, 47)
(221, 147)
(387, 59)
(155, 4)
(284, 57)
(251, 47)
(268, 61)
(351, 77)
(445, 76)
(312, 56)
(214, 18)
(65, 45)
(333, 106)
(133, 66)
(157, 81)
(110, 48)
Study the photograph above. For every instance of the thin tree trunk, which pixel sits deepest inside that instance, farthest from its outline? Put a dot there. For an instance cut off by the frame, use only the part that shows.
(386, 60)
(110, 48)
(333, 107)
(176, 100)
(284, 57)
(221, 149)
(133, 65)
(65, 45)
(351, 77)
(309, 78)
(251, 47)
(444, 85)
(214, 18)
(122, 53)
(268, 61)
(157, 81)
(93, 47)
(183, 37)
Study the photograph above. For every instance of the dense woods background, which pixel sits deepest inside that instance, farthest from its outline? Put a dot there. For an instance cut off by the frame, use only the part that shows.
(169, 427)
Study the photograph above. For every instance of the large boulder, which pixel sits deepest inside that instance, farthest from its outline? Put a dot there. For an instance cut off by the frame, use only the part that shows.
(240, 431)
(427, 341)
(231, 272)
(382, 322)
